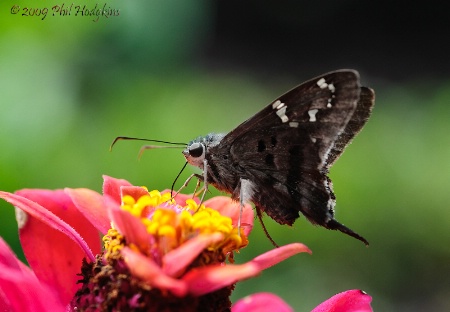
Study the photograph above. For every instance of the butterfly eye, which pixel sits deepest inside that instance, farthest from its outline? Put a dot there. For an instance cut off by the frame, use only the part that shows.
(196, 150)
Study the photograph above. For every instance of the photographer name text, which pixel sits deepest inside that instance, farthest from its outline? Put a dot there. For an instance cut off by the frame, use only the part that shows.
(95, 12)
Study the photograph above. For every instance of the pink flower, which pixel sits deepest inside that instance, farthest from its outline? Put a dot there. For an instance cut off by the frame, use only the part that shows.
(348, 301)
(53, 249)
(158, 254)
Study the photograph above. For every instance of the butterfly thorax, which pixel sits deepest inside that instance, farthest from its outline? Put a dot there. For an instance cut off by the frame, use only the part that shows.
(221, 172)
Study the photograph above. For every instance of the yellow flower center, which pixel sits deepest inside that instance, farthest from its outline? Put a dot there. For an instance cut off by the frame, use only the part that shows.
(153, 199)
(171, 225)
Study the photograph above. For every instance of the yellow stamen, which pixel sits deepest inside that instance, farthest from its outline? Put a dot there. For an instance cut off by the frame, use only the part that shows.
(113, 242)
(128, 200)
(171, 227)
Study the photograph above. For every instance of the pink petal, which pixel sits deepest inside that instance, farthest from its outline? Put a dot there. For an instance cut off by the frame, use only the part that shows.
(59, 204)
(4, 303)
(228, 207)
(178, 259)
(24, 292)
(7, 256)
(129, 226)
(9, 259)
(53, 248)
(145, 269)
(111, 187)
(134, 191)
(347, 301)
(92, 206)
(20, 290)
(274, 256)
(261, 302)
(207, 279)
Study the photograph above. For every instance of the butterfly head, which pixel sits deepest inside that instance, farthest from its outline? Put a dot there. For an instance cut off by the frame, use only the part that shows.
(195, 151)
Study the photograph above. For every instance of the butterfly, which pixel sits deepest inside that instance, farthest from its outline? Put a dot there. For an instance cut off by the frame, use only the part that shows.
(279, 159)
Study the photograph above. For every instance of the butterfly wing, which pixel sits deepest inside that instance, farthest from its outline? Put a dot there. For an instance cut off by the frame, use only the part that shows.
(284, 150)
(318, 109)
(359, 118)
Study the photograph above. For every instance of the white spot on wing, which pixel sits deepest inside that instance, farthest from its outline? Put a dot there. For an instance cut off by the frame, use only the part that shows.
(281, 111)
(312, 114)
(293, 124)
(331, 87)
(322, 83)
(282, 114)
(314, 140)
(276, 104)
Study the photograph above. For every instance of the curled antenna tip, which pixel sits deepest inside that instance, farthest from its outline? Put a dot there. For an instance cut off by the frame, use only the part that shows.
(113, 143)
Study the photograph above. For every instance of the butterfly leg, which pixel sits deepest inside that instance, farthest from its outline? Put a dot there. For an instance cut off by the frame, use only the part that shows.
(241, 207)
(259, 214)
(200, 178)
(245, 196)
(186, 183)
(198, 190)
(205, 180)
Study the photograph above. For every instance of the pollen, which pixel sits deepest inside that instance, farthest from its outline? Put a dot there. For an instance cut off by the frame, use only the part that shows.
(171, 225)
(113, 242)
(191, 205)
(139, 208)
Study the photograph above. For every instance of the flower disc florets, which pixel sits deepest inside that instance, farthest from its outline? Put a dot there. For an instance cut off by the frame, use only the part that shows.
(153, 244)
(169, 224)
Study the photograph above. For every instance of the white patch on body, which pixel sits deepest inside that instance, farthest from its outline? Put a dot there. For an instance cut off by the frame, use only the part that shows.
(216, 138)
(247, 191)
(312, 115)
(314, 140)
(293, 124)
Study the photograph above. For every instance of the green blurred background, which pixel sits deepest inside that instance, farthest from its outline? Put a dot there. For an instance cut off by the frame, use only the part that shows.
(173, 70)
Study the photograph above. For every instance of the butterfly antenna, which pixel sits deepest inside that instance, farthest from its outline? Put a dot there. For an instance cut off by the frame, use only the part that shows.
(258, 213)
(147, 140)
(146, 147)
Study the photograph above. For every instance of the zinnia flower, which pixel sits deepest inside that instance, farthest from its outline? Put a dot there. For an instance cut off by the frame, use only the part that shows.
(347, 301)
(159, 254)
